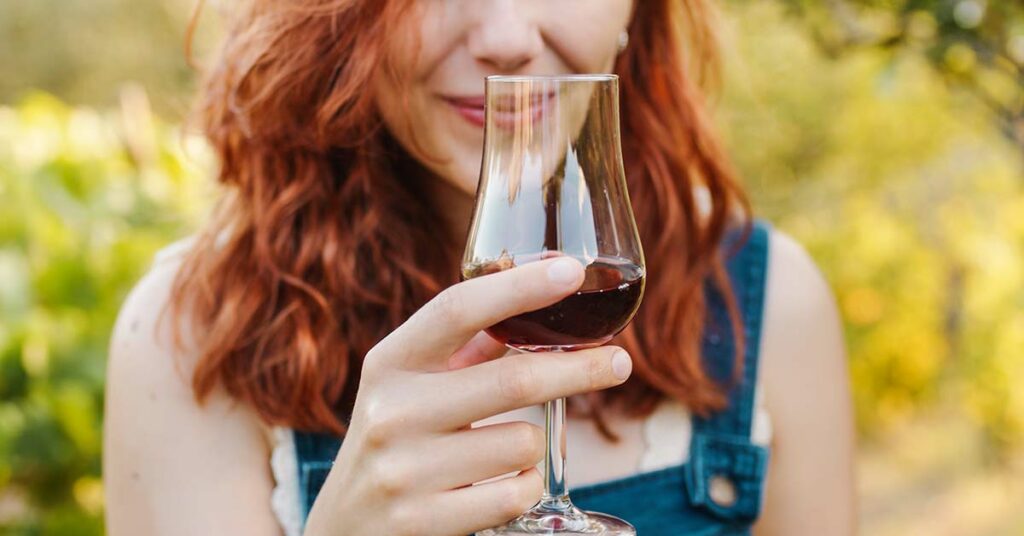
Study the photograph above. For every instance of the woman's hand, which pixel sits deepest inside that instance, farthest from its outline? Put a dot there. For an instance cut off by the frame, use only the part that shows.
(409, 459)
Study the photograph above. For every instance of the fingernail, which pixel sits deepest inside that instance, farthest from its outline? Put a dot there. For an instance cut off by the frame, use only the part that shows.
(622, 365)
(564, 271)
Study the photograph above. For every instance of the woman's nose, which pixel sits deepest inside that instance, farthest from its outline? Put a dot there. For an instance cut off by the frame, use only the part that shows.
(505, 35)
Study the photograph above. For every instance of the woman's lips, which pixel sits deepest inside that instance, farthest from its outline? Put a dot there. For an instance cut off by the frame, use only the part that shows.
(504, 114)
(470, 108)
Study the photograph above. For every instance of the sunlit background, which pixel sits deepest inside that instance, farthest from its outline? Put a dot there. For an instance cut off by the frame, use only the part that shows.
(886, 135)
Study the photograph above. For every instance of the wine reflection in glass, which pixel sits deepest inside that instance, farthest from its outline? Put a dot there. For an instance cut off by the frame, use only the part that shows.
(552, 184)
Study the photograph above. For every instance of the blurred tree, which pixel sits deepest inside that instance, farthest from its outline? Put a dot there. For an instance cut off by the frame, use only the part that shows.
(977, 45)
(909, 199)
(83, 51)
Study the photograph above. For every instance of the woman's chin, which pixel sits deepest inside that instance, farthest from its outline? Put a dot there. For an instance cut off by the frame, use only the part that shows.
(464, 183)
(469, 187)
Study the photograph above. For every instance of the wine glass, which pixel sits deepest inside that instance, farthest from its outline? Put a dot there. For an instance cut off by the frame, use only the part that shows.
(552, 183)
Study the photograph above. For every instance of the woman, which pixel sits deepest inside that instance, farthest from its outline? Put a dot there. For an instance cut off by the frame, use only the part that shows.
(321, 300)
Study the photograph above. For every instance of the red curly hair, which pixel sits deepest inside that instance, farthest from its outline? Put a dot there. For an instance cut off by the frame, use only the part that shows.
(322, 245)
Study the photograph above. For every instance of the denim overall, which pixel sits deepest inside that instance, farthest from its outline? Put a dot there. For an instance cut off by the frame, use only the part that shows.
(718, 491)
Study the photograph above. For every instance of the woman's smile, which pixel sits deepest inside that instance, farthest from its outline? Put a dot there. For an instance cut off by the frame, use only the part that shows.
(474, 109)
(469, 108)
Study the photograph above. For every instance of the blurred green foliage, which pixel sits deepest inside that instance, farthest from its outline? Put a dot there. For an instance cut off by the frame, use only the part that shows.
(855, 124)
(85, 200)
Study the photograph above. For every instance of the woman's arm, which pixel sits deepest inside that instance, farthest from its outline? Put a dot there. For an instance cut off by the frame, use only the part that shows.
(170, 466)
(810, 488)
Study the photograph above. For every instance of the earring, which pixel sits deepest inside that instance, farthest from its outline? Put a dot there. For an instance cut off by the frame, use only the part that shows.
(623, 41)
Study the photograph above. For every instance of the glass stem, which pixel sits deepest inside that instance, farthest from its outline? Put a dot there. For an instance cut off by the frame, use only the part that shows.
(556, 493)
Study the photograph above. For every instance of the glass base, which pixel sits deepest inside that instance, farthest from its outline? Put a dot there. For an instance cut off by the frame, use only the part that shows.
(541, 520)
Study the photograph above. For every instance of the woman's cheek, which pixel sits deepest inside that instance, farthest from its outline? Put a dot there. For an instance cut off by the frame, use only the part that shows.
(589, 43)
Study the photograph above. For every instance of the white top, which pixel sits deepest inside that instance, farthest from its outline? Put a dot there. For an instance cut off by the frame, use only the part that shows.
(285, 500)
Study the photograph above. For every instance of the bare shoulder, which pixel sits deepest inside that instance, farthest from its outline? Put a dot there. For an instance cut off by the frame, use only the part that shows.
(802, 344)
(143, 359)
(807, 394)
(167, 459)
(796, 286)
(138, 330)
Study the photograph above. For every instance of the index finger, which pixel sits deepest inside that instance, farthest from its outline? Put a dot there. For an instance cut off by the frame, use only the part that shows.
(455, 315)
(470, 394)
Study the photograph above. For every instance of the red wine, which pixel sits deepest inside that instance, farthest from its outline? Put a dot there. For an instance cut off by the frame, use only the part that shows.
(602, 307)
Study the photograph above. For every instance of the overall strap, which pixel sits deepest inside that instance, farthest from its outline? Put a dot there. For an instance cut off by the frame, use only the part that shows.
(747, 273)
(725, 472)
(315, 455)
